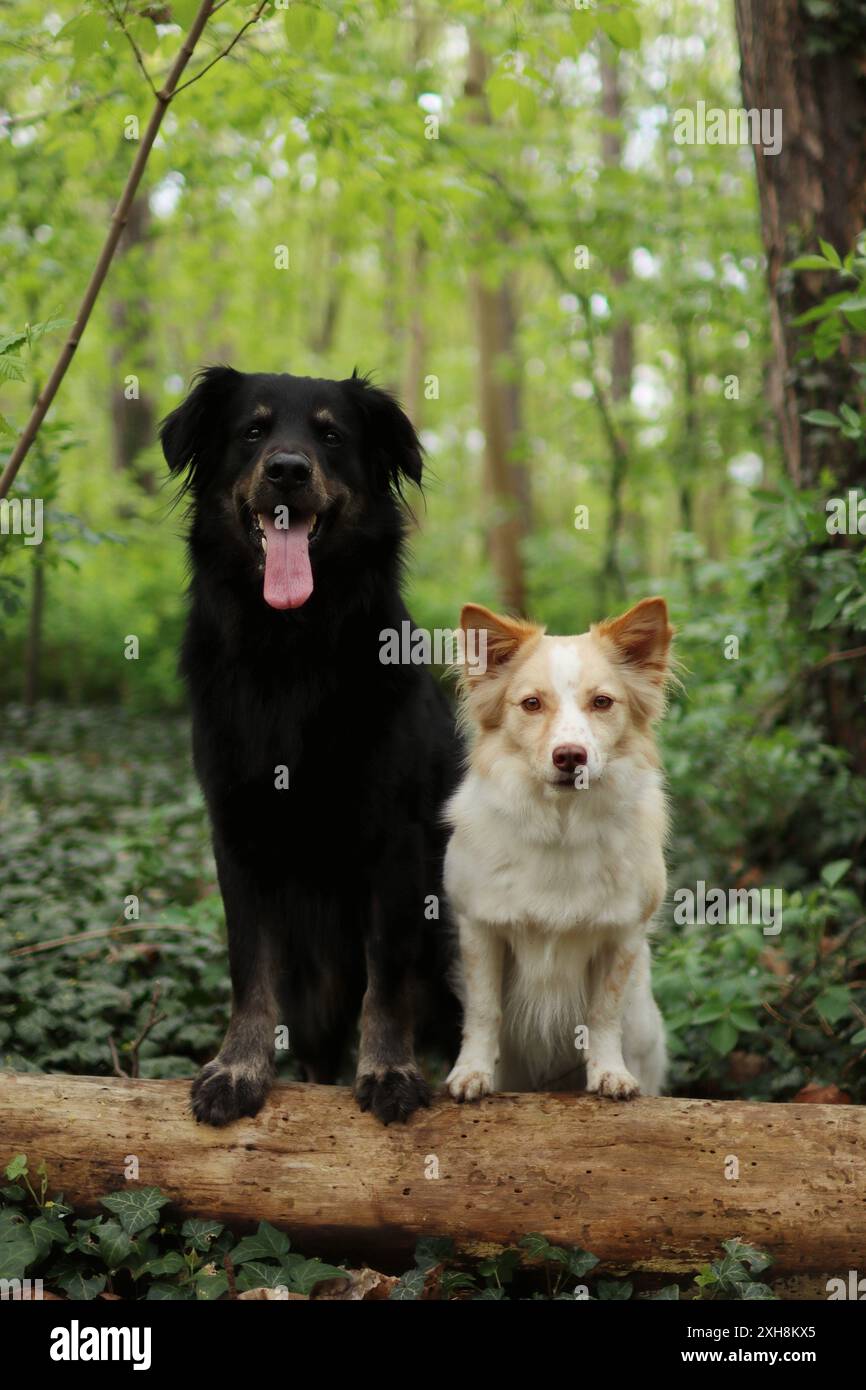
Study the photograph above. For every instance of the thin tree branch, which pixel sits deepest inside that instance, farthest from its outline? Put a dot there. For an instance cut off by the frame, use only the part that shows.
(73, 938)
(8, 122)
(118, 19)
(226, 50)
(152, 1020)
(119, 217)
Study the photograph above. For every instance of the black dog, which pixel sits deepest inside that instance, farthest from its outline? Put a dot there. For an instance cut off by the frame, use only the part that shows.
(324, 769)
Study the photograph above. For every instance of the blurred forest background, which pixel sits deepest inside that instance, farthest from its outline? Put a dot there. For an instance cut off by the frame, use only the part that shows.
(485, 205)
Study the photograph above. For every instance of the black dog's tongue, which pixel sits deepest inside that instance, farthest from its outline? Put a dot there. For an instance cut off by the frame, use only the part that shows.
(288, 574)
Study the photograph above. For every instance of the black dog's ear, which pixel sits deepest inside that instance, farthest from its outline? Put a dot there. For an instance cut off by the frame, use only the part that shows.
(186, 433)
(393, 447)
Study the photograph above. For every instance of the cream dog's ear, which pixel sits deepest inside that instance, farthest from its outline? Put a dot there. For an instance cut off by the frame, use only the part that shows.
(493, 639)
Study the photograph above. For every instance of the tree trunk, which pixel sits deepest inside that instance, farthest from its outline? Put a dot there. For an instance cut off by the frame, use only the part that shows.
(622, 344)
(33, 653)
(814, 72)
(133, 415)
(506, 482)
(651, 1185)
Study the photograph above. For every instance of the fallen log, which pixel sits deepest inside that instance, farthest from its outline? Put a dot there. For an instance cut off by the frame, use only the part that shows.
(651, 1185)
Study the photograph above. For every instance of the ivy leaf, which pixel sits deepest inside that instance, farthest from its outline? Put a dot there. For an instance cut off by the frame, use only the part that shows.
(258, 1274)
(79, 1286)
(536, 1245)
(17, 1250)
(137, 1208)
(200, 1235)
(48, 1230)
(304, 1277)
(409, 1286)
(433, 1250)
(580, 1262)
(614, 1290)
(267, 1244)
(757, 1260)
(17, 1168)
(210, 1284)
(114, 1243)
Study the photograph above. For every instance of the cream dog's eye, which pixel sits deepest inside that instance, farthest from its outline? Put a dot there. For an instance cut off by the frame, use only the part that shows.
(602, 702)
(531, 704)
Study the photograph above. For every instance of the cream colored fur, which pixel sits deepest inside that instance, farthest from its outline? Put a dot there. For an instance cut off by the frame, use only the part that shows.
(554, 886)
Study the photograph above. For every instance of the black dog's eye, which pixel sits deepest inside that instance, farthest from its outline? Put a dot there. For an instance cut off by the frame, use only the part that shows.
(332, 439)
(253, 433)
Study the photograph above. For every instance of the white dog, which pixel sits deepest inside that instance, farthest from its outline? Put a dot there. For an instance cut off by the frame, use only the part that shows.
(556, 863)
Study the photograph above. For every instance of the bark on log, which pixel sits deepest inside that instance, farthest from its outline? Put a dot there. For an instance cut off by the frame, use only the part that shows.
(642, 1185)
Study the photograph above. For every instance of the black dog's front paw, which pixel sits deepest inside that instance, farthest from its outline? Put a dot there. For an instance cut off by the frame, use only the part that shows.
(223, 1092)
(392, 1095)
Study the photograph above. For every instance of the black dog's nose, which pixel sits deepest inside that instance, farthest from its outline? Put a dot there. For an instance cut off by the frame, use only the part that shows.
(288, 468)
(569, 756)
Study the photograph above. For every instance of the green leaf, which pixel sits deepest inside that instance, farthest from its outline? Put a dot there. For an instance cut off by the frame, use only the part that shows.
(824, 612)
(164, 1293)
(614, 1290)
(183, 12)
(822, 417)
(211, 1284)
(433, 1250)
(537, 1246)
(622, 27)
(267, 1244)
(833, 873)
(114, 1243)
(831, 253)
(757, 1260)
(723, 1037)
(854, 306)
(584, 24)
(834, 1003)
(48, 1230)
(409, 1287)
(79, 1286)
(172, 1262)
(580, 1262)
(17, 1250)
(304, 1277)
(17, 1168)
(136, 1208)
(307, 26)
(810, 263)
(502, 93)
(88, 33)
(11, 367)
(200, 1235)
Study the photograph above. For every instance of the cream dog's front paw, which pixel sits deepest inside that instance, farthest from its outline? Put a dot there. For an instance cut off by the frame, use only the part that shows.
(615, 1085)
(470, 1081)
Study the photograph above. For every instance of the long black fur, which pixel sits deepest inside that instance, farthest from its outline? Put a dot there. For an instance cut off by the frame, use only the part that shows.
(327, 886)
